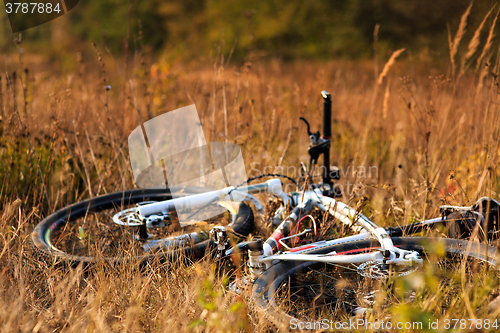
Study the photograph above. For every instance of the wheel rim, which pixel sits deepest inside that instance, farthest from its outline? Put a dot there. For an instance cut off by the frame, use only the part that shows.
(314, 291)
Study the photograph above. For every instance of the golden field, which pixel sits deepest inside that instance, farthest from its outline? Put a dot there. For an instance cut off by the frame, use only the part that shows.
(429, 136)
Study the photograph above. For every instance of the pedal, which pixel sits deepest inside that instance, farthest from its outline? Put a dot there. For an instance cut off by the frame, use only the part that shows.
(218, 235)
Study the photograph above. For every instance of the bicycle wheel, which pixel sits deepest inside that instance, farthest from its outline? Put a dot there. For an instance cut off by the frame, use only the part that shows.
(85, 231)
(311, 291)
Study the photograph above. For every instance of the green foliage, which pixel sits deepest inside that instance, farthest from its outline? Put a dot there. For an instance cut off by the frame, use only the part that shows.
(211, 299)
(82, 234)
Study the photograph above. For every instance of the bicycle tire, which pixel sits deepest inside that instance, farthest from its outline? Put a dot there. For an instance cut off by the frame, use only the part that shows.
(44, 233)
(266, 288)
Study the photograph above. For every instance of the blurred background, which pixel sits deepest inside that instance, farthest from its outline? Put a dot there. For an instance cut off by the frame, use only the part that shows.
(292, 29)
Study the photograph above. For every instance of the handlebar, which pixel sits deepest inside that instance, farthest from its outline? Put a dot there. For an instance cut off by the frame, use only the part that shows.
(320, 145)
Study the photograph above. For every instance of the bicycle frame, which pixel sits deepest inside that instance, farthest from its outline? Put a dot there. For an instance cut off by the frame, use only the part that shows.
(346, 215)
(302, 203)
(273, 186)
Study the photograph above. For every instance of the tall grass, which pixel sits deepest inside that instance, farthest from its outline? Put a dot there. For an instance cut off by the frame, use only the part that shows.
(424, 127)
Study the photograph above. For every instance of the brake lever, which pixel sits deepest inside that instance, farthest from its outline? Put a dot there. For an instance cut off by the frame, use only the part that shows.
(314, 137)
(308, 127)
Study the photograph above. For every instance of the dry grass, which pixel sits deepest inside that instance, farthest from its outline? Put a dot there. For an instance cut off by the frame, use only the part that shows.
(424, 127)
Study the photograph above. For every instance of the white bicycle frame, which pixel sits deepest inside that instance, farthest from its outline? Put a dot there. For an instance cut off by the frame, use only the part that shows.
(338, 209)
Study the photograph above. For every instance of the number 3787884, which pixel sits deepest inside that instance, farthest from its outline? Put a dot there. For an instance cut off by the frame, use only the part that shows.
(32, 8)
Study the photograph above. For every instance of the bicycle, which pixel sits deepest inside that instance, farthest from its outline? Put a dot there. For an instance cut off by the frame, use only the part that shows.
(287, 281)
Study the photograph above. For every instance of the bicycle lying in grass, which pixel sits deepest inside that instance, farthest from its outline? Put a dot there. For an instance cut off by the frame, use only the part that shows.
(300, 271)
